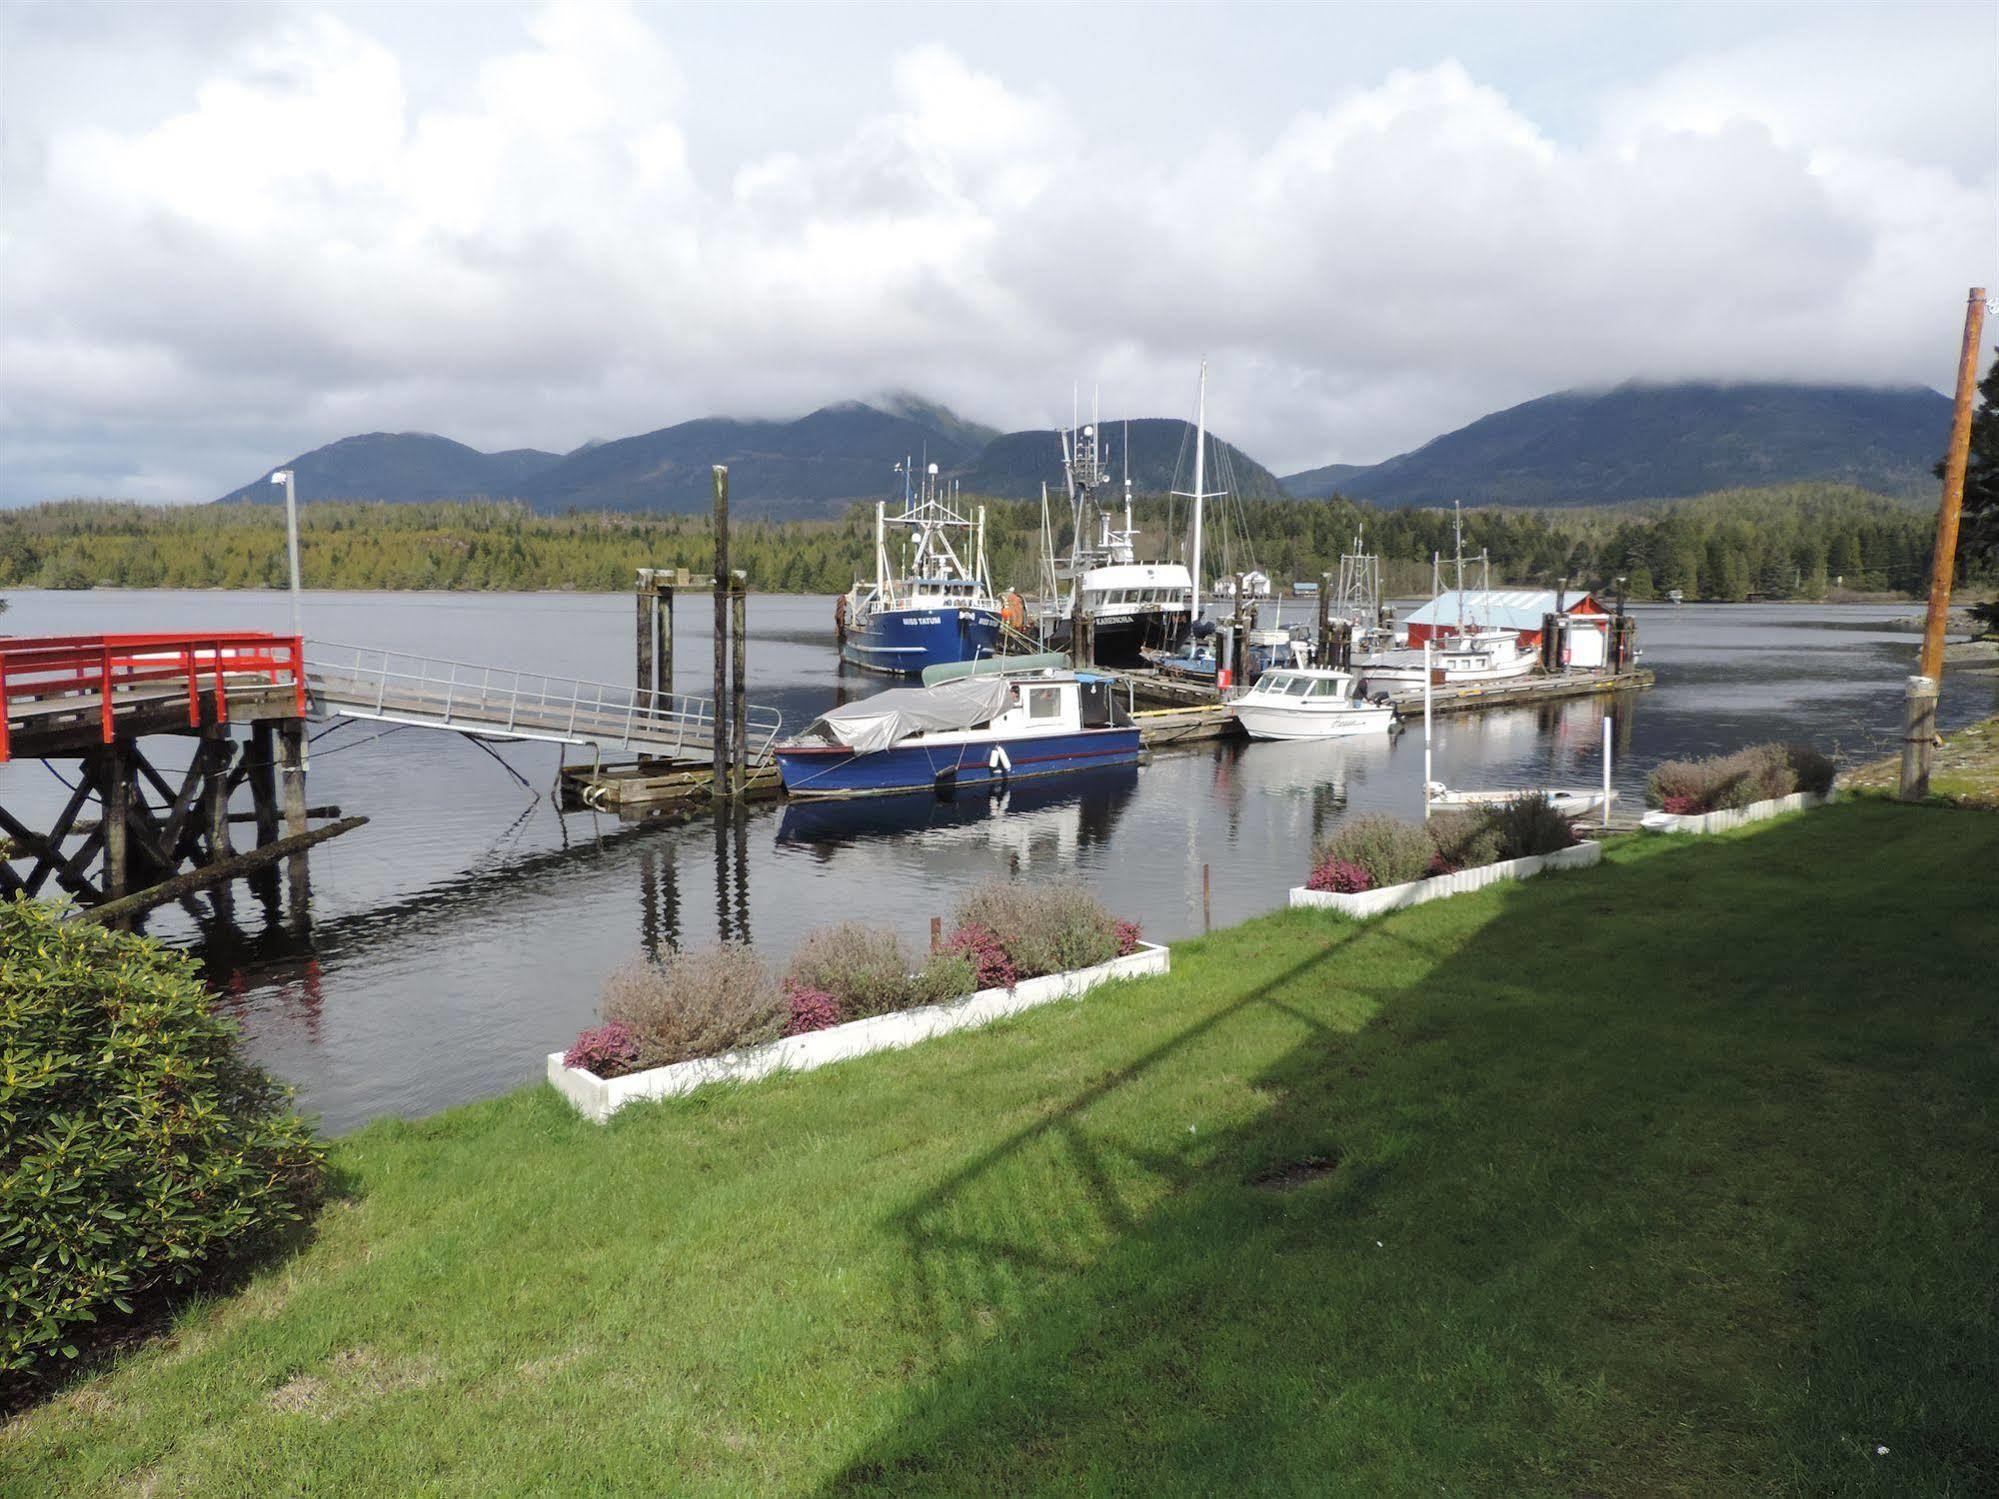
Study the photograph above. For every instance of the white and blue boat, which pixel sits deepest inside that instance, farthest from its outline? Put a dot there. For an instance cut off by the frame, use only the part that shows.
(977, 731)
(937, 607)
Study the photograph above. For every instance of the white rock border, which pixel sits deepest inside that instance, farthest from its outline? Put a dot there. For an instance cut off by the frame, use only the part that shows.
(1733, 817)
(1440, 886)
(597, 1098)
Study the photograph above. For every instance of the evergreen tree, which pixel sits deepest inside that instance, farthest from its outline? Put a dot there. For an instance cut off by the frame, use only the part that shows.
(1978, 536)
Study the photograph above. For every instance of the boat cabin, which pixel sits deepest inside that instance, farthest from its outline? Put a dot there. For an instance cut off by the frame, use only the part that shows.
(1304, 686)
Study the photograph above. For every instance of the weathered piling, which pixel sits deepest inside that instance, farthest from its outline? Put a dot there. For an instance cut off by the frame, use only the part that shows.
(739, 703)
(1322, 653)
(721, 694)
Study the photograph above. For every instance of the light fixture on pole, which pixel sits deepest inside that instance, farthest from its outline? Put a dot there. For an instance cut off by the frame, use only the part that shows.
(284, 476)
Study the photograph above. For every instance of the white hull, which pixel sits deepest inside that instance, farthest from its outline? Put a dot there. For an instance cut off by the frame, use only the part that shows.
(1304, 721)
(1497, 671)
(1568, 802)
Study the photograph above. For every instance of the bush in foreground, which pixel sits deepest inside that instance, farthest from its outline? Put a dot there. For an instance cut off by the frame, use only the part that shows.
(1372, 852)
(1040, 929)
(1387, 849)
(1721, 783)
(138, 1150)
(696, 1003)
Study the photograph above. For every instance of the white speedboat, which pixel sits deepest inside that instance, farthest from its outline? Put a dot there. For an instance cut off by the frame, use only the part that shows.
(1308, 703)
(1569, 802)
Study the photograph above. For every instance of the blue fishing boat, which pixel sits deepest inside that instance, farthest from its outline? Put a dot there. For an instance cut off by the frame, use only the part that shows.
(937, 607)
(977, 731)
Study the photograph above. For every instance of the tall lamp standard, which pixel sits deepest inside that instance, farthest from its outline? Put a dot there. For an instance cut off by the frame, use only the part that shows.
(284, 476)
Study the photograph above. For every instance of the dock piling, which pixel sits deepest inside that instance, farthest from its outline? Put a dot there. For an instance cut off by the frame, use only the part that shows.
(739, 704)
(721, 695)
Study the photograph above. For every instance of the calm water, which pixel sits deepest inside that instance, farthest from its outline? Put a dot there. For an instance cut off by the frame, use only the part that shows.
(464, 933)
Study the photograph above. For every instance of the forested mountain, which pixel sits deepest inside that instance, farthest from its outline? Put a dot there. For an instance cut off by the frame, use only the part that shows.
(400, 466)
(1162, 458)
(1647, 442)
(814, 466)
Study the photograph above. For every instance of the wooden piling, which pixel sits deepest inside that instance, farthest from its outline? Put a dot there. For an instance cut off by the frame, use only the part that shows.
(645, 679)
(721, 693)
(291, 756)
(217, 751)
(261, 772)
(739, 704)
(114, 782)
(1323, 656)
(662, 617)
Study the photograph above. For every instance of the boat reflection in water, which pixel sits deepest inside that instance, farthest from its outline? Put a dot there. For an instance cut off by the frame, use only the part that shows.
(1075, 811)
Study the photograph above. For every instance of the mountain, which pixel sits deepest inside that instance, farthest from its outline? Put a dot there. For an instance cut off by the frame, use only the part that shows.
(1162, 457)
(1321, 483)
(1655, 442)
(399, 466)
(809, 467)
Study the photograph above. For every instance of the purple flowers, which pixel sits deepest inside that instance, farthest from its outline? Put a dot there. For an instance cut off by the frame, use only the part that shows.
(1340, 876)
(810, 1010)
(607, 1050)
(1127, 938)
(992, 967)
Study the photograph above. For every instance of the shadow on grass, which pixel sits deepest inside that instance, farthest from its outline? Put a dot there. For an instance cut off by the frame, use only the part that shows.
(1630, 1196)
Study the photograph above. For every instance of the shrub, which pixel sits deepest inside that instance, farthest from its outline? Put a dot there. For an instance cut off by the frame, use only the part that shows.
(138, 1150)
(1529, 825)
(609, 1050)
(1721, 782)
(1464, 840)
(863, 968)
(1340, 877)
(1814, 772)
(1041, 928)
(1128, 935)
(808, 1009)
(695, 1004)
(1391, 851)
(946, 976)
(981, 948)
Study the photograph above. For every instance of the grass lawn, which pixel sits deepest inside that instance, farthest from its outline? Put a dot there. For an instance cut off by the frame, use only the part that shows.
(1963, 772)
(1677, 1176)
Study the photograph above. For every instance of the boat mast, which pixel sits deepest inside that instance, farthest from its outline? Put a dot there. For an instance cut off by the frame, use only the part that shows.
(1458, 525)
(882, 587)
(1129, 532)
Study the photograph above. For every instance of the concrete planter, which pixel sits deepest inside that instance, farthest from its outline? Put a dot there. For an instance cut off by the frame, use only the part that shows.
(597, 1098)
(1734, 817)
(1441, 886)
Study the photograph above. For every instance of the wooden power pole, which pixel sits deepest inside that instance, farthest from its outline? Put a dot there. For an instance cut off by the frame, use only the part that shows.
(1919, 725)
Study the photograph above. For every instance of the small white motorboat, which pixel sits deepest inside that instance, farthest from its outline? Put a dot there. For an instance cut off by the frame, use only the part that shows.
(1308, 702)
(1567, 801)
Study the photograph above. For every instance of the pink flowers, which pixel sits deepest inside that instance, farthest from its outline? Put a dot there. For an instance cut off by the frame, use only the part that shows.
(991, 966)
(607, 1050)
(1341, 877)
(1127, 938)
(810, 1010)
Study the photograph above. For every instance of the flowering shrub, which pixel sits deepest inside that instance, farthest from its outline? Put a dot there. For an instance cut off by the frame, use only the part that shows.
(1042, 928)
(695, 1003)
(1719, 783)
(1127, 938)
(863, 968)
(1464, 840)
(1339, 876)
(809, 1009)
(609, 1050)
(981, 946)
(1530, 825)
(1389, 850)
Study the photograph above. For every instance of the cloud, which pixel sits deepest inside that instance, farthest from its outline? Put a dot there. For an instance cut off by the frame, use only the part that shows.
(320, 237)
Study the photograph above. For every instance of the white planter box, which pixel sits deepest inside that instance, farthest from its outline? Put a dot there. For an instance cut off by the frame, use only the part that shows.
(598, 1098)
(1734, 817)
(1439, 886)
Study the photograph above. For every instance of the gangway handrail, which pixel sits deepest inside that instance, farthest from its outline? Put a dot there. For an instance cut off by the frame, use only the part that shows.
(519, 705)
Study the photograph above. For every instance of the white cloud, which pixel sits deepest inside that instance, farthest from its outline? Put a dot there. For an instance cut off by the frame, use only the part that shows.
(310, 243)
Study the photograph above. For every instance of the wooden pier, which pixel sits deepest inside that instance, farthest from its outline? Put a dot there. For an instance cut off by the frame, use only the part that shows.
(95, 700)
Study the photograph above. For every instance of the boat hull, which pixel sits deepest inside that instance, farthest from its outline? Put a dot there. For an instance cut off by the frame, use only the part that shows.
(1122, 638)
(1275, 722)
(902, 642)
(811, 770)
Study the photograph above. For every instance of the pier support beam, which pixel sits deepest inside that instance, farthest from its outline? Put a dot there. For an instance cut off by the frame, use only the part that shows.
(739, 701)
(721, 694)
(291, 753)
(114, 783)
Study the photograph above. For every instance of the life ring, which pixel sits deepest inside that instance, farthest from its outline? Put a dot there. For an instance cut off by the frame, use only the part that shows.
(1013, 612)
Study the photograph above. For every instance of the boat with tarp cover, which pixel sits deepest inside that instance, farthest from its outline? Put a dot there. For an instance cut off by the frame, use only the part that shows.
(978, 731)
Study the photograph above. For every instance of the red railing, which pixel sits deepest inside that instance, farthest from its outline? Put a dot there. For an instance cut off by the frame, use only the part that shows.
(45, 668)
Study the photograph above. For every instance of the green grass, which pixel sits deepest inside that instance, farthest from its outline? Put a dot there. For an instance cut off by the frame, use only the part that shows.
(1671, 1177)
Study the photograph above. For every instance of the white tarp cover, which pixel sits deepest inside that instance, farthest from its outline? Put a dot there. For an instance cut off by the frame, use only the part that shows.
(890, 717)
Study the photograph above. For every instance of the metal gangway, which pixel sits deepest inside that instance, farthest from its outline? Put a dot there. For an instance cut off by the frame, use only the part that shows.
(498, 702)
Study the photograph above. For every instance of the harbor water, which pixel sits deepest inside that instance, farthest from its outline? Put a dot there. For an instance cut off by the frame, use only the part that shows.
(465, 932)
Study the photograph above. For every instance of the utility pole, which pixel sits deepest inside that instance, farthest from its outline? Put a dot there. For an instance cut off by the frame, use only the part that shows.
(1919, 725)
(284, 476)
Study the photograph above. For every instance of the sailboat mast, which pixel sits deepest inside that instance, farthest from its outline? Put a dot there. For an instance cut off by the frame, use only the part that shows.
(1200, 481)
(1458, 525)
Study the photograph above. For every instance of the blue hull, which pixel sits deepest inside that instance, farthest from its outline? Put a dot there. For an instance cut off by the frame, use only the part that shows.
(901, 642)
(812, 770)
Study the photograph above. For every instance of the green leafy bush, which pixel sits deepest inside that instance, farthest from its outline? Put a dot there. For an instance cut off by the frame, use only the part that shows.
(864, 968)
(138, 1150)
(697, 1003)
(1530, 825)
(1464, 840)
(1813, 770)
(1392, 851)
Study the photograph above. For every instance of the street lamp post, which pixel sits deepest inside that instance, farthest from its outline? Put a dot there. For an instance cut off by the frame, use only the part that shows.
(284, 476)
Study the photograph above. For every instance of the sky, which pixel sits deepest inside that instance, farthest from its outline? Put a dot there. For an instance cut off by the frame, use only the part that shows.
(232, 232)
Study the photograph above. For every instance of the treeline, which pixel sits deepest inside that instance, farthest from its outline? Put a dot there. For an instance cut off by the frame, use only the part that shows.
(1794, 541)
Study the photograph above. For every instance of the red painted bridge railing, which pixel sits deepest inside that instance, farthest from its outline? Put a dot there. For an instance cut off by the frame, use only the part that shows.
(37, 670)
